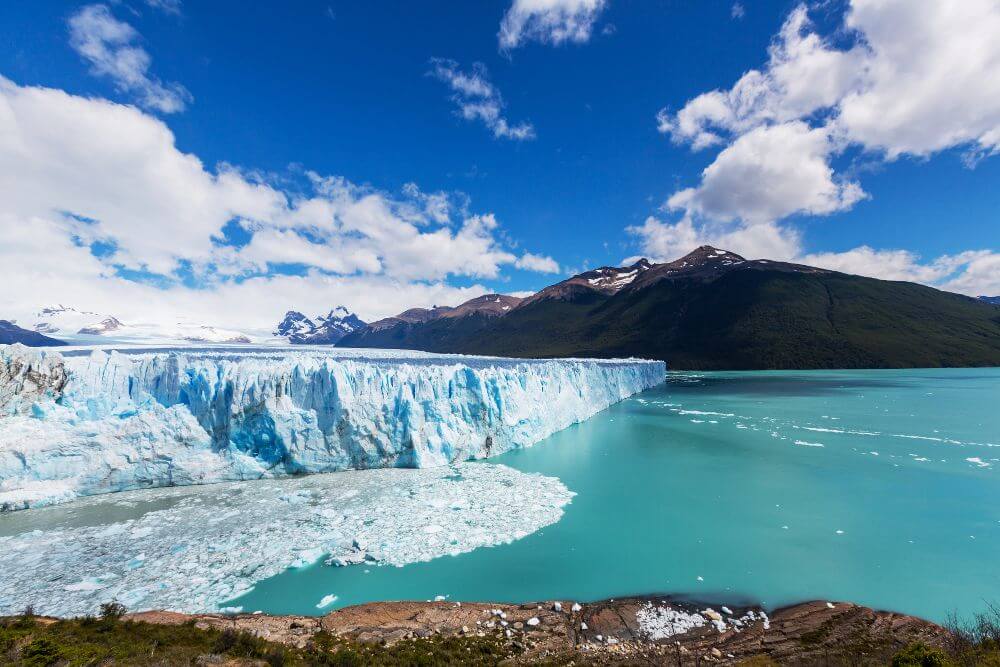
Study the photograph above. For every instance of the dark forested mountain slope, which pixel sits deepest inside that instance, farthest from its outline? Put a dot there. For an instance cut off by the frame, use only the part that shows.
(715, 310)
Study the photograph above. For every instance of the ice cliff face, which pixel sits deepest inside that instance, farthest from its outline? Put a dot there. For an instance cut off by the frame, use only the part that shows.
(93, 422)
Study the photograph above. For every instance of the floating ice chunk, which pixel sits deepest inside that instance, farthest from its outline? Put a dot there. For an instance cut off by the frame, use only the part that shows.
(706, 413)
(440, 598)
(975, 460)
(327, 601)
(194, 564)
(803, 443)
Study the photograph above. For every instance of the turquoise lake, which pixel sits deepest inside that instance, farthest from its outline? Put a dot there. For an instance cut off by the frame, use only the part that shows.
(877, 487)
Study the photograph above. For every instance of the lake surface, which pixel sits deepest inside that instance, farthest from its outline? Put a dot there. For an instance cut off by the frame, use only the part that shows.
(877, 487)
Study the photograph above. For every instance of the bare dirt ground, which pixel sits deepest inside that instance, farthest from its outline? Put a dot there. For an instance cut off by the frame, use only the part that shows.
(606, 632)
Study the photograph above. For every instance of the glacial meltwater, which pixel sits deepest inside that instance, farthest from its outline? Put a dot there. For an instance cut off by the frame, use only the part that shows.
(876, 487)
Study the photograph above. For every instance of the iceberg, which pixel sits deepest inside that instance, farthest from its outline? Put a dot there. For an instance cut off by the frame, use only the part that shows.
(86, 421)
(193, 549)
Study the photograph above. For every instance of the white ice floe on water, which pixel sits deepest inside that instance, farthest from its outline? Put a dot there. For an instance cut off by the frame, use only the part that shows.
(193, 548)
(83, 422)
(326, 601)
(804, 443)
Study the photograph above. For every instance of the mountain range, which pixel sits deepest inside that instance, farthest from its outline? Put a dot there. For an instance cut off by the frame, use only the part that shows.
(713, 309)
(68, 322)
(11, 333)
(323, 330)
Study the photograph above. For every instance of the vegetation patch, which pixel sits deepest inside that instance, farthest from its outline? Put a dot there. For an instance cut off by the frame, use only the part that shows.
(30, 641)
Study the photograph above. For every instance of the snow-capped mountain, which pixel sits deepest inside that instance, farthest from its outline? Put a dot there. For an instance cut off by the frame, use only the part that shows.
(322, 330)
(68, 323)
(605, 281)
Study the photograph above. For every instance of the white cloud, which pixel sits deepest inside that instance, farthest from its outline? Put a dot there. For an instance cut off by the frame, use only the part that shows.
(804, 75)
(972, 272)
(664, 241)
(166, 6)
(109, 45)
(75, 171)
(932, 77)
(898, 78)
(920, 76)
(478, 99)
(767, 174)
(540, 263)
(884, 264)
(549, 21)
(738, 11)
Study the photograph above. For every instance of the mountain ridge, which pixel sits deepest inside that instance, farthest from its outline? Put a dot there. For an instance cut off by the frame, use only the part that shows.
(324, 330)
(11, 333)
(713, 309)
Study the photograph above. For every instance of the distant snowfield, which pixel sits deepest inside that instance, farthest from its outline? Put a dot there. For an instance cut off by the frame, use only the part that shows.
(190, 549)
(85, 421)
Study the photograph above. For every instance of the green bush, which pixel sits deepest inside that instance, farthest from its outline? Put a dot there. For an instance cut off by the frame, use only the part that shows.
(41, 652)
(112, 611)
(920, 655)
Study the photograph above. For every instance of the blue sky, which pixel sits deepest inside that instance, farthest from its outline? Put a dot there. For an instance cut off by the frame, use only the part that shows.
(562, 164)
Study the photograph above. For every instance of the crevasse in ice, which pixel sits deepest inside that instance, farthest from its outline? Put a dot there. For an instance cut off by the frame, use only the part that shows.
(91, 421)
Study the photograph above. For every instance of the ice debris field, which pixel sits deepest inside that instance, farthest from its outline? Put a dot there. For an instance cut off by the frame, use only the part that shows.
(191, 548)
(81, 421)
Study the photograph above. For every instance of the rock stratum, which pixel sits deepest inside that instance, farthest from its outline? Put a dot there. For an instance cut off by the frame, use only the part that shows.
(89, 422)
(611, 632)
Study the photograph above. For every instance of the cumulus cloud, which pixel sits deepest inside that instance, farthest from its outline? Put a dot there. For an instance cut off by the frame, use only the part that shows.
(79, 174)
(972, 272)
(803, 76)
(896, 78)
(770, 173)
(540, 263)
(477, 99)
(549, 21)
(932, 77)
(918, 77)
(109, 45)
(665, 241)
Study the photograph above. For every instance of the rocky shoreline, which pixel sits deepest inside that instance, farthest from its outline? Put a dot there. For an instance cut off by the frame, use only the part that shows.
(656, 630)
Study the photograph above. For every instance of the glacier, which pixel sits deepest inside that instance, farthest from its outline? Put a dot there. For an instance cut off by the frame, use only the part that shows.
(86, 421)
(192, 549)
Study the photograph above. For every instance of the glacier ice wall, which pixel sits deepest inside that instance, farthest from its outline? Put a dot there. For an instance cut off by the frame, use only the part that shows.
(89, 421)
